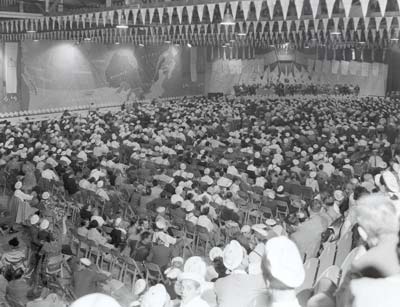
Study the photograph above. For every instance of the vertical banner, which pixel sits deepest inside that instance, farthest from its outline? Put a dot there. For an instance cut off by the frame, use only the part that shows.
(365, 69)
(193, 64)
(375, 69)
(335, 66)
(10, 65)
(344, 67)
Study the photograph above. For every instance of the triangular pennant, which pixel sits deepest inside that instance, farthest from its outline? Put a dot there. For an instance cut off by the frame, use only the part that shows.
(389, 20)
(211, 8)
(170, 10)
(280, 25)
(297, 23)
(179, 10)
(151, 13)
(271, 7)
(306, 23)
(335, 23)
(285, 7)
(346, 23)
(134, 15)
(329, 5)
(325, 24)
(258, 5)
(314, 6)
(222, 8)
(299, 7)
(271, 25)
(378, 22)
(263, 23)
(200, 11)
(355, 22)
(382, 6)
(234, 5)
(364, 7)
(189, 10)
(366, 22)
(143, 15)
(347, 6)
(245, 5)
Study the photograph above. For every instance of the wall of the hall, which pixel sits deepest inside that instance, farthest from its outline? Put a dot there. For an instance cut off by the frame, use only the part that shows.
(62, 73)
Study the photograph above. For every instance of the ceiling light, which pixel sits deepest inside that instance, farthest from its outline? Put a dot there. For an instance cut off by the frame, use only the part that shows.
(228, 20)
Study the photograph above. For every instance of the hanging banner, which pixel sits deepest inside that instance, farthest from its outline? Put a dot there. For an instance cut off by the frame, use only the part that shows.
(170, 11)
(326, 68)
(193, 64)
(189, 10)
(234, 5)
(221, 6)
(375, 69)
(354, 68)
(364, 7)
(10, 69)
(211, 8)
(299, 7)
(245, 7)
(335, 67)
(346, 6)
(382, 6)
(318, 66)
(258, 5)
(179, 10)
(365, 69)
(285, 7)
(344, 67)
(310, 65)
(271, 7)
(314, 6)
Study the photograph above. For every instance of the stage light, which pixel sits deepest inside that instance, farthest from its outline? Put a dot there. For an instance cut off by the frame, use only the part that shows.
(189, 45)
(167, 41)
(228, 20)
(117, 43)
(242, 34)
(87, 39)
(335, 33)
(394, 39)
(35, 40)
(141, 45)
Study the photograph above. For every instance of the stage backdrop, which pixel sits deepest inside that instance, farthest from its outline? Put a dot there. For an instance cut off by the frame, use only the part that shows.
(62, 73)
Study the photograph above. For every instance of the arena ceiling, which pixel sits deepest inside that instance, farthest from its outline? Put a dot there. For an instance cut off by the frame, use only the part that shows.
(261, 22)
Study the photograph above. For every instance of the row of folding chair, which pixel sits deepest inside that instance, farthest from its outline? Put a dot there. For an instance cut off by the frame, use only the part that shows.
(333, 254)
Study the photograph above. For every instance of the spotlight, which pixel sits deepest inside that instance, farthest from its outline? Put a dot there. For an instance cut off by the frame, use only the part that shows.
(189, 45)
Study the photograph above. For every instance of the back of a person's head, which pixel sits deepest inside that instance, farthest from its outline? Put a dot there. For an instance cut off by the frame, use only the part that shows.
(376, 214)
(95, 300)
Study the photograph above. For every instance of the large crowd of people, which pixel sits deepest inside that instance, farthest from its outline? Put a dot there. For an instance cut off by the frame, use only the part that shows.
(204, 194)
(290, 88)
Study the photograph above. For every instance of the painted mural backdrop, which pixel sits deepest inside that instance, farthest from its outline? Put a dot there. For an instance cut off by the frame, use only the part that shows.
(58, 74)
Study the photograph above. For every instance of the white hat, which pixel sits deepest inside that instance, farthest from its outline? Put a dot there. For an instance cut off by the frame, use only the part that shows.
(34, 219)
(195, 265)
(338, 195)
(156, 296)
(313, 174)
(18, 185)
(260, 229)
(177, 259)
(390, 181)
(284, 261)
(160, 210)
(85, 261)
(44, 224)
(99, 220)
(45, 195)
(270, 222)
(206, 171)
(172, 273)
(95, 300)
(189, 207)
(295, 162)
(117, 221)
(160, 223)
(176, 198)
(66, 160)
(100, 184)
(233, 255)
(182, 166)
(245, 229)
(192, 276)
(140, 286)
(215, 252)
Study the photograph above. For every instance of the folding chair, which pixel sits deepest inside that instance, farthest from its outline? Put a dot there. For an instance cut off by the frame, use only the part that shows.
(190, 233)
(54, 266)
(203, 239)
(343, 248)
(310, 268)
(154, 272)
(327, 257)
(132, 270)
(282, 209)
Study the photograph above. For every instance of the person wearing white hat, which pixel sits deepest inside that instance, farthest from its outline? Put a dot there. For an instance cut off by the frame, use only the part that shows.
(238, 288)
(21, 195)
(101, 191)
(311, 182)
(283, 268)
(155, 296)
(348, 166)
(86, 279)
(190, 285)
(95, 300)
